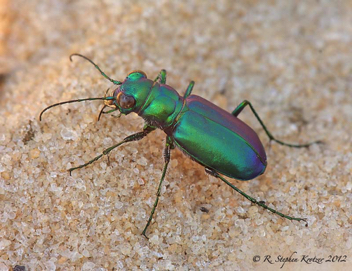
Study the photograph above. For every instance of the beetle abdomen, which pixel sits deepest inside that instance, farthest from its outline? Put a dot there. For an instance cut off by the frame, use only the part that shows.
(203, 136)
(211, 111)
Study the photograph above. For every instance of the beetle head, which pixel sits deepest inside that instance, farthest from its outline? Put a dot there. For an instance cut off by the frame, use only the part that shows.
(131, 95)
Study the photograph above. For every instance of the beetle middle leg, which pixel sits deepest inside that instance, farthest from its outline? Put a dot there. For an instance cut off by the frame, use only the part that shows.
(242, 105)
(168, 146)
(253, 200)
(134, 137)
(189, 90)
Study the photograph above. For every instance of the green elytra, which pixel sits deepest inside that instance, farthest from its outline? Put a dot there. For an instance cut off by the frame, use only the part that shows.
(206, 133)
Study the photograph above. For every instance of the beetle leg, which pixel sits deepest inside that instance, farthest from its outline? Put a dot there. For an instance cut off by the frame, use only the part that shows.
(242, 105)
(161, 77)
(189, 90)
(253, 200)
(134, 137)
(168, 146)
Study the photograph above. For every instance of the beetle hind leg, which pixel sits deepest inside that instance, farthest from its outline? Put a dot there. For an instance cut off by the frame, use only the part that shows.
(253, 200)
(242, 105)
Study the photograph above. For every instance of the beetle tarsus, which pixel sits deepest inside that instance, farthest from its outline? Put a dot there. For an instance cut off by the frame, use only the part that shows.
(253, 200)
(166, 163)
(305, 220)
(242, 105)
(143, 233)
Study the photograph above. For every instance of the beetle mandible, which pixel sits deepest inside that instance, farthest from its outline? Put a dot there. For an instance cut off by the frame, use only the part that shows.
(209, 135)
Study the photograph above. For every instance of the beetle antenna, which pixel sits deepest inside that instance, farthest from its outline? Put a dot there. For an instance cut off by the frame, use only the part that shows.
(97, 67)
(73, 101)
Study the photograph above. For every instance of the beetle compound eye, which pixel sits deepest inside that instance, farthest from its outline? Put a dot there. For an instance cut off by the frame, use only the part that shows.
(126, 101)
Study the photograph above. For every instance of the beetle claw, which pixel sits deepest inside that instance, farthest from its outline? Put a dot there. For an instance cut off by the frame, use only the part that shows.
(143, 233)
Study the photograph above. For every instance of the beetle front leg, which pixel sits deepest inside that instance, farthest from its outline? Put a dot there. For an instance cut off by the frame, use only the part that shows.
(242, 105)
(161, 78)
(135, 137)
(168, 146)
(253, 200)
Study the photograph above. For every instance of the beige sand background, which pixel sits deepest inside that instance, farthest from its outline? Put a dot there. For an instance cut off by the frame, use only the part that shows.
(291, 59)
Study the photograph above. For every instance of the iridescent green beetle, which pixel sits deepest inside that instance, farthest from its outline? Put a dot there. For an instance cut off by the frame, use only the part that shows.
(209, 135)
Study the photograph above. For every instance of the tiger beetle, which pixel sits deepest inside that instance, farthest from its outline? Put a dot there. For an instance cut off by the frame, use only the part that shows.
(209, 135)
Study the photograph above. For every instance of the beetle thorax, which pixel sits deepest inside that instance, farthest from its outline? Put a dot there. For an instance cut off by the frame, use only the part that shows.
(162, 107)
